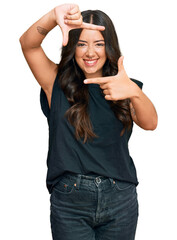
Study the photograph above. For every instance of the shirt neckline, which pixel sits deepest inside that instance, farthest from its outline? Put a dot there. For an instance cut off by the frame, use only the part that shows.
(94, 85)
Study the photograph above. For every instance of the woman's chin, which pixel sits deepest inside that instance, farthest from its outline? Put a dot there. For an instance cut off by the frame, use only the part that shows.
(92, 74)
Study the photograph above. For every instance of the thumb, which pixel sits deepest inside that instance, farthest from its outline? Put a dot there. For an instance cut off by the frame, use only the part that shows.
(120, 64)
(65, 34)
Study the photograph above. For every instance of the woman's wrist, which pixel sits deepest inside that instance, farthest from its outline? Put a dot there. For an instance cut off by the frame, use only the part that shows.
(135, 91)
(53, 17)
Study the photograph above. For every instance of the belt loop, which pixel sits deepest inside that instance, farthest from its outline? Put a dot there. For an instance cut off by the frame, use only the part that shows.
(78, 179)
(112, 181)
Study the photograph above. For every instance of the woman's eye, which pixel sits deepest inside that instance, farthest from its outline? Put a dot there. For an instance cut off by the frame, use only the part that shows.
(80, 44)
(100, 44)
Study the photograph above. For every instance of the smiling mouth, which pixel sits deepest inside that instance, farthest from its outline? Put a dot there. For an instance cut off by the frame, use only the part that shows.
(90, 63)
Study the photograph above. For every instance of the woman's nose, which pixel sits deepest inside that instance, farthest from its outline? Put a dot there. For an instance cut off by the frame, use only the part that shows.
(90, 52)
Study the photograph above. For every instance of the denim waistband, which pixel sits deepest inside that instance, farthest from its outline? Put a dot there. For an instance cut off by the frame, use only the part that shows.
(86, 178)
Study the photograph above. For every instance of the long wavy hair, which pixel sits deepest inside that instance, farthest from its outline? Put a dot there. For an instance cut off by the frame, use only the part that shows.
(71, 77)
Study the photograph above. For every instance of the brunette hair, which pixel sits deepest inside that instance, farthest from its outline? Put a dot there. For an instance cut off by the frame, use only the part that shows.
(71, 77)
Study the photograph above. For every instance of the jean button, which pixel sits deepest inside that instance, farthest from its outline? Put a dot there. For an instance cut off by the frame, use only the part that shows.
(98, 180)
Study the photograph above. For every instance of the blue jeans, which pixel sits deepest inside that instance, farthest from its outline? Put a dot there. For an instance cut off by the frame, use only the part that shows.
(93, 208)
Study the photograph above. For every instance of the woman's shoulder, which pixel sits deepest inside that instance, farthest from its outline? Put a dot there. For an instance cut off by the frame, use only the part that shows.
(138, 82)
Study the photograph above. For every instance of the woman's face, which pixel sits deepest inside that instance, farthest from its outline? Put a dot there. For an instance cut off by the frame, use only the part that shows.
(90, 53)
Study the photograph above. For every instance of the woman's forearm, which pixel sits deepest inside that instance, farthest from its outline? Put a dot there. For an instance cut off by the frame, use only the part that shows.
(35, 34)
(145, 111)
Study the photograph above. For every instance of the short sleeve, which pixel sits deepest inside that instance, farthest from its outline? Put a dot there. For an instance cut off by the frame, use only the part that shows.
(44, 103)
(139, 83)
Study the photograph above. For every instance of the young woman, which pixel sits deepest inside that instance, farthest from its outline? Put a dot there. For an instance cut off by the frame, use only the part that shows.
(91, 176)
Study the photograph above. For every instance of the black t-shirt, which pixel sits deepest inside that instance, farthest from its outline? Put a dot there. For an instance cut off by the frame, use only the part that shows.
(107, 155)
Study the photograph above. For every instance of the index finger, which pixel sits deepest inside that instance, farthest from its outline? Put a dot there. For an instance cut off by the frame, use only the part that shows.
(96, 80)
(92, 26)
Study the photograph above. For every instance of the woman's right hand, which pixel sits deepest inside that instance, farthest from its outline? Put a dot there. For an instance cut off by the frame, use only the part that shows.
(68, 17)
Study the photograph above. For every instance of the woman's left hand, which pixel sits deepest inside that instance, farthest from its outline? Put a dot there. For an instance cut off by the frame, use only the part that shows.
(116, 87)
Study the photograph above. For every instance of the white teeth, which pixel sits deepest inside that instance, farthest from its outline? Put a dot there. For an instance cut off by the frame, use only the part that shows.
(89, 62)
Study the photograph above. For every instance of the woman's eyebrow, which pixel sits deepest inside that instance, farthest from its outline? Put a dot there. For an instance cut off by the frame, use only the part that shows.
(99, 40)
(94, 41)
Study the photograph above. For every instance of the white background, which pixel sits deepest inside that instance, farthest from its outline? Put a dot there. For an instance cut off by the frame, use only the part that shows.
(146, 32)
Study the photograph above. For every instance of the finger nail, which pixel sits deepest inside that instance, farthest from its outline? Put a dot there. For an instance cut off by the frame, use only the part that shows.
(85, 81)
